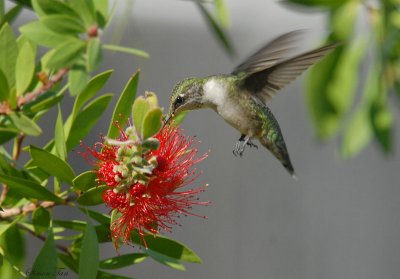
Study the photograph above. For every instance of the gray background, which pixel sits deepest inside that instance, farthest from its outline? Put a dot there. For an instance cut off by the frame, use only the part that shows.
(340, 220)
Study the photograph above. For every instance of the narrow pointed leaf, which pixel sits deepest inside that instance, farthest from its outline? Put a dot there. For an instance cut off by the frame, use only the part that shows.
(63, 24)
(99, 217)
(59, 137)
(94, 56)
(165, 260)
(151, 123)
(86, 119)
(25, 67)
(40, 220)
(86, 181)
(4, 88)
(124, 104)
(123, 261)
(46, 261)
(93, 196)
(77, 78)
(89, 258)
(66, 54)
(25, 124)
(133, 51)
(29, 189)
(51, 164)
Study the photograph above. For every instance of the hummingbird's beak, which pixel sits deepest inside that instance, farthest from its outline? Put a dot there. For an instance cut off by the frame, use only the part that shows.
(168, 119)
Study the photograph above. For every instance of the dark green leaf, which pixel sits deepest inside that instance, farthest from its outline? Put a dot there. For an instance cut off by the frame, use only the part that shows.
(92, 197)
(99, 217)
(13, 244)
(168, 261)
(382, 123)
(123, 261)
(86, 10)
(4, 88)
(40, 220)
(66, 54)
(70, 262)
(217, 29)
(168, 247)
(24, 124)
(102, 12)
(40, 34)
(134, 51)
(89, 258)
(51, 164)
(318, 3)
(151, 123)
(50, 7)
(94, 86)
(124, 104)
(94, 55)
(86, 181)
(29, 189)
(6, 225)
(77, 78)
(59, 137)
(11, 15)
(74, 225)
(8, 53)
(25, 67)
(46, 261)
(63, 24)
(106, 275)
(86, 119)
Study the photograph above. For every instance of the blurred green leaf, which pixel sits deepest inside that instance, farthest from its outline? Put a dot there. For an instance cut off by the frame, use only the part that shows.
(43, 102)
(59, 137)
(168, 247)
(165, 260)
(86, 181)
(139, 109)
(70, 262)
(5, 225)
(40, 220)
(77, 78)
(25, 67)
(319, 3)
(222, 13)
(46, 261)
(52, 164)
(51, 7)
(75, 225)
(4, 88)
(86, 119)
(89, 258)
(24, 124)
(179, 118)
(106, 275)
(13, 244)
(66, 54)
(63, 24)
(124, 104)
(94, 55)
(92, 197)
(123, 261)
(11, 15)
(382, 124)
(41, 35)
(29, 189)
(134, 51)
(8, 53)
(216, 29)
(343, 19)
(151, 123)
(99, 217)
(86, 9)
(102, 12)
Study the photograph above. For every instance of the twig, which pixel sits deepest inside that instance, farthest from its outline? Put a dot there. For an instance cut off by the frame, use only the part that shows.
(26, 209)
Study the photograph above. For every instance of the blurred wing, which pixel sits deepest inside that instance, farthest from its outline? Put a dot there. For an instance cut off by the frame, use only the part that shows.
(270, 54)
(267, 82)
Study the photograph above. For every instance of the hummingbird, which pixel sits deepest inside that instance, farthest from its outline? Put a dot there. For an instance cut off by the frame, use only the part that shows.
(241, 97)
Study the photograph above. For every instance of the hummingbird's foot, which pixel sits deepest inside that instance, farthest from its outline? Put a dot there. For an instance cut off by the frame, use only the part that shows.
(251, 144)
(241, 145)
(239, 148)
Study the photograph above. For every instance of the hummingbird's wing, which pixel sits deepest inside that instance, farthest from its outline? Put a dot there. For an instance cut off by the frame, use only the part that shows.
(274, 51)
(267, 82)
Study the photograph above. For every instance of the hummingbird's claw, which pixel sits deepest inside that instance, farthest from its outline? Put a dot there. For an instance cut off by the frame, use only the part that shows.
(251, 144)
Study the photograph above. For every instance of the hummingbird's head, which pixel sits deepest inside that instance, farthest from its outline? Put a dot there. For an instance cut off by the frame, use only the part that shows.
(187, 95)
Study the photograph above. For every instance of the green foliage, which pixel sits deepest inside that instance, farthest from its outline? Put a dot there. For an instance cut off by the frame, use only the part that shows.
(46, 262)
(89, 258)
(333, 83)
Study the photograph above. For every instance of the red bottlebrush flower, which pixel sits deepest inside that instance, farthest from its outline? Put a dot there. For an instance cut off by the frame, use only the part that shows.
(145, 180)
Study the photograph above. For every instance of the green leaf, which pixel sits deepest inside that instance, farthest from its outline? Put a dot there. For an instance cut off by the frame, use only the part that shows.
(85, 181)
(318, 3)
(343, 19)
(168, 247)
(11, 15)
(94, 86)
(51, 164)
(75, 225)
(4, 226)
(222, 13)
(50, 7)
(8, 53)
(382, 123)
(106, 275)
(41, 35)
(102, 12)
(86, 10)
(59, 137)
(168, 261)
(129, 50)
(179, 118)
(66, 54)
(63, 24)
(139, 110)
(94, 55)
(123, 261)
(99, 217)
(151, 123)
(13, 244)
(25, 67)
(24, 124)
(89, 258)
(29, 189)
(124, 104)
(92, 197)
(77, 78)
(46, 261)
(86, 119)
(4, 88)
(40, 220)
(43, 102)
(216, 29)
(70, 262)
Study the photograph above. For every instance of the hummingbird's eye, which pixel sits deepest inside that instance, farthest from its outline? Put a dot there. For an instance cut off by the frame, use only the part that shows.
(179, 100)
